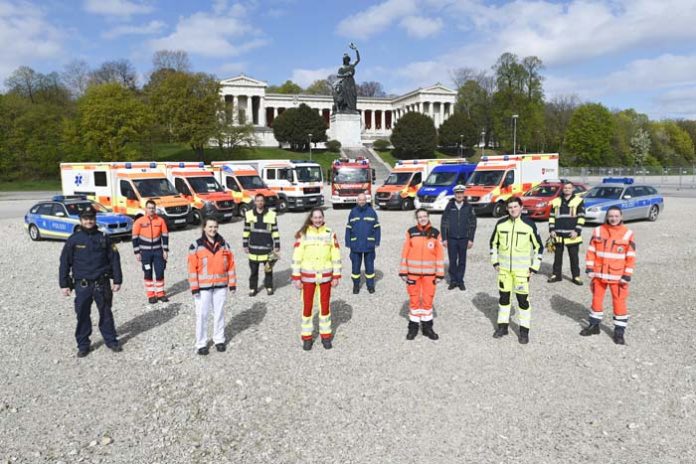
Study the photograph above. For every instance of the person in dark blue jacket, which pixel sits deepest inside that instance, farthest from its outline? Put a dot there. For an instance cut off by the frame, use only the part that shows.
(88, 263)
(362, 237)
(458, 229)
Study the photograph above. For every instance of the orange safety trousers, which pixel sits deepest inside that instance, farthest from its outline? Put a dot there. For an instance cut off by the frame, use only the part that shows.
(321, 292)
(619, 293)
(421, 293)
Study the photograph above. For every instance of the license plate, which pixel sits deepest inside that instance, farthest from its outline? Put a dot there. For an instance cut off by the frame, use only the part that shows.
(382, 203)
(525, 211)
(179, 221)
(228, 215)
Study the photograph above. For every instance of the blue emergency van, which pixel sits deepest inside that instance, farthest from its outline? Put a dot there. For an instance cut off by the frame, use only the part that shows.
(437, 190)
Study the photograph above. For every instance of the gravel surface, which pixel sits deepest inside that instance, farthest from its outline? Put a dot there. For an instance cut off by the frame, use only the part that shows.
(375, 397)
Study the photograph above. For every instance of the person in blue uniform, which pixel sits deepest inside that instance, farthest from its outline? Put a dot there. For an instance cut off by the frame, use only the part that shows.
(362, 237)
(88, 264)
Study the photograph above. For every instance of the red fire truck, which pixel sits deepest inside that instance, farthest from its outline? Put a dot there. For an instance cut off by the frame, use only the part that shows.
(349, 178)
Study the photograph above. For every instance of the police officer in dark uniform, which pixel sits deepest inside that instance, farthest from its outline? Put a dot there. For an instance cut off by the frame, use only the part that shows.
(93, 261)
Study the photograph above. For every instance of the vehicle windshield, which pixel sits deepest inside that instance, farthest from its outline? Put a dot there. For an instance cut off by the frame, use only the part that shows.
(610, 193)
(351, 176)
(542, 191)
(251, 182)
(75, 209)
(398, 178)
(149, 188)
(440, 179)
(308, 174)
(205, 184)
(486, 178)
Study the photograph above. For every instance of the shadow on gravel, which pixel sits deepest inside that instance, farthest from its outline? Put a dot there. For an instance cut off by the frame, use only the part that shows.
(341, 312)
(488, 305)
(144, 322)
(177, 288)
(575, 311)
(379, 275)
(280, 279)
(546, 269)
(244, 320)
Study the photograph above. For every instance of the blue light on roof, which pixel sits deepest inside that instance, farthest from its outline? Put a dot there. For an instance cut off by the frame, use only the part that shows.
(182, 164)
(618, 180)
(153, 165)
(129, 165)
(201, 164)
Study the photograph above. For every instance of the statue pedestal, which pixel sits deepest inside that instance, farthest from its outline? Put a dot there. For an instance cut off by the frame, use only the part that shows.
(345, 128)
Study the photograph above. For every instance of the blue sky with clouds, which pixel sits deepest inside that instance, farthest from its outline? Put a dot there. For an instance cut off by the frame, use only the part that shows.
(624, 53)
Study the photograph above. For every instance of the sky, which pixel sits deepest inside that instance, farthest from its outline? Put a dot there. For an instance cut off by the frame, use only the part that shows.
(623, 53)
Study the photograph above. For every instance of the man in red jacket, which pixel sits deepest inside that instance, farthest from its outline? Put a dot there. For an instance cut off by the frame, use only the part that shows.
(151, 248)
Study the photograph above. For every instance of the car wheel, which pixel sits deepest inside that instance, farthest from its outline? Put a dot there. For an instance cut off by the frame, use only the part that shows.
(282, 205)
(653, 213)
(407, 204)
(499, 209)
(195, 217)
(34, 233)
(243, 208)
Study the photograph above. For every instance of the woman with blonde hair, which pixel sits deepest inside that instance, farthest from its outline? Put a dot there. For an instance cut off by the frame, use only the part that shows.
(316, 268)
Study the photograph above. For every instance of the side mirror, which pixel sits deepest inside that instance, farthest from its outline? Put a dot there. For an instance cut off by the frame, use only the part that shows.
(627, 197)
(60, 214)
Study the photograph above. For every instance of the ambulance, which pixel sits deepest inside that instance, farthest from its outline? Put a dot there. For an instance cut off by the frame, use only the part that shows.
(400, 188)
(297, 183)
(244, 181)
(198, 185)
(349, 178)
(498, 178)
(125, 187)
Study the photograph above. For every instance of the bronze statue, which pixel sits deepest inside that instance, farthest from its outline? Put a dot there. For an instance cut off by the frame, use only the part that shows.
(345, 93)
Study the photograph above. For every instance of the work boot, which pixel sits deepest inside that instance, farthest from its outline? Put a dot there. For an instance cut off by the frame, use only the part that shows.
(592, 329)
(500, 331)
(412, 330)
(163, 299)
(269, 291)
(356, 288)
(327, 343)
(203, 351)
(577, 281)
(462, 287)
(452, 286)
(524, 336)
(428, 331)
(152, 300)
(220, 347)
(553, 279)
(81, 353)
(307, 344)
(115, 348)
(619, 336)
(253, 292)
(371, 289)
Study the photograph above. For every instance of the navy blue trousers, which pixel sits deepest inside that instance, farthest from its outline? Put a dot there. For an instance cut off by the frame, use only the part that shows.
(356, 258)
(102, 296)
(153, 261)
(456, 251)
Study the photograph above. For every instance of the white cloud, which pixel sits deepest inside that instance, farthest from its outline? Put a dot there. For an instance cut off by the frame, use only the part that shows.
(421, 27)
(304, 77)
(217, 34)
(118, 8)
(675, 103)
(153, 27)
(376, 18)
(27, 37)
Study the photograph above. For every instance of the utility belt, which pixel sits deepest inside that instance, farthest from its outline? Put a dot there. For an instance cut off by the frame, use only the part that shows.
(84, 283)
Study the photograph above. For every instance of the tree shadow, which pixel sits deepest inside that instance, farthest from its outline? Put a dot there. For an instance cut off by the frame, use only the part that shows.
(143, 323)
(244, 320)
(341, 312)
(179, 287)
(575, 311)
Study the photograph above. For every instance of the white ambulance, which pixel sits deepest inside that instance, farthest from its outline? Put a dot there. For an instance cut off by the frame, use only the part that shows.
(245, 182)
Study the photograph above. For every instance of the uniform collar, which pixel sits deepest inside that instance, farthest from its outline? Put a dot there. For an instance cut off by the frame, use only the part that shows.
(424, 229)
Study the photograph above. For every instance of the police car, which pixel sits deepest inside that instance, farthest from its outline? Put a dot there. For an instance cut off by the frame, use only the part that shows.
(637, 201)
(60, 217)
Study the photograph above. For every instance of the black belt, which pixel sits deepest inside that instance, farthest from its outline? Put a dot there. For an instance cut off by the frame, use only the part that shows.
(84, 283)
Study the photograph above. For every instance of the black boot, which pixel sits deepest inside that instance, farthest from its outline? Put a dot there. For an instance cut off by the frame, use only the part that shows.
(356, 288)
(412, 330)
(592, 329)
(327, 343)
(427, 327)
(307, 344)
(501, 331)
(524, 336)
(371, 289)
(619, 336)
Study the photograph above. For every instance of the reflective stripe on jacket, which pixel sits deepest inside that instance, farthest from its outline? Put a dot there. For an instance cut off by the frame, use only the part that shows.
(260, 234)
(150, 234)
(211, 265)
(567, 216)
(611, 254)
(516, 245)
(363, 229)
(422, 253)
(317, 256)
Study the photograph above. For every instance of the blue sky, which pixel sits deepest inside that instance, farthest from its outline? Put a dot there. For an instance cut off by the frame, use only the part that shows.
(623, 53)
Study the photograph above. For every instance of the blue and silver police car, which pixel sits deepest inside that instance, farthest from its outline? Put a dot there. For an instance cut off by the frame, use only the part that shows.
(637, 201)
(59, 217)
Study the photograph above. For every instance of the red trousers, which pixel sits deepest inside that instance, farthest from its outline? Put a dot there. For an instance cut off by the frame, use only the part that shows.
(619, 293)
(421, 293)
(309, 293)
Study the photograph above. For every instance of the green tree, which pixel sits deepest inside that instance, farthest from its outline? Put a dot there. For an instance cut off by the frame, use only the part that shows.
(287, 87)
(557, 115)
(414, 136)
(458, 128)
(113, 123)
(319, 87)
(589, 136)
(294, 125)
(640, 146)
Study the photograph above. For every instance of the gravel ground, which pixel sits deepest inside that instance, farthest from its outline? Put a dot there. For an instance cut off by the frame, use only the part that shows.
(375, 397)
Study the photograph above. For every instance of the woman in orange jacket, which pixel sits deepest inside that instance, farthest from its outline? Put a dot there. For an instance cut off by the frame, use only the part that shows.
(211, 273)
(610, 260)
(422, 267)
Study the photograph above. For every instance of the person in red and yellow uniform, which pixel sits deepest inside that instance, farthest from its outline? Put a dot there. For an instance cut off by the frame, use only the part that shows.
(211, 272)
(610, 260)
(422, 268)
(151, 247)
(316, 268)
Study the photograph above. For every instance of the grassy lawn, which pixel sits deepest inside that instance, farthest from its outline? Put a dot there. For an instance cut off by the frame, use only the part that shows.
(389, 158)
(29, 185)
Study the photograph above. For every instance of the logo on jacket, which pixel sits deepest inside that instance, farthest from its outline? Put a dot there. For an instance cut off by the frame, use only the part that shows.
(431, 245)
(620, 249)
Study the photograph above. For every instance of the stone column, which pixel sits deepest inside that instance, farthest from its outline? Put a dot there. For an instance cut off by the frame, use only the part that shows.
(442, 114)
(383, 122)
(235, 109)
(262, 112)
(248, 111)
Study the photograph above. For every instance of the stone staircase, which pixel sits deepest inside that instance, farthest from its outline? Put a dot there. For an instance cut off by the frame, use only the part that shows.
(381, 168)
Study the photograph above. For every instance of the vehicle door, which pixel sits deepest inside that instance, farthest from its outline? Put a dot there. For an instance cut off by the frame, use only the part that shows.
(642, 197)
(61, 223)
(44, 217)
(629, 204)
(508, 182)
(462, 178)
(127, 197)
(182, 187)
